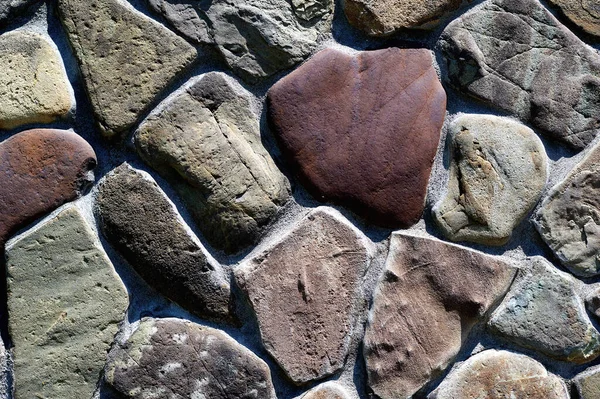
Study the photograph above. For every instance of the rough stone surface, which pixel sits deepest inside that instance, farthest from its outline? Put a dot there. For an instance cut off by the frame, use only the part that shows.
(584, 13)
(388, 107)
(305, 293)
(65, 303)
(8, 9)
(588, 383)
(140, 222)
(543, 312)
(516, 56)
(592, 302)
(174, 358)
(496, 374)
(430, 296)
(328, 390)
(206, 142)
(126, 58)
(310, 9)
(497, 173)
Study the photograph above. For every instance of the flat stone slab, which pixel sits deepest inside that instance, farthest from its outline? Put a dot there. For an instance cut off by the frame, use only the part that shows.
(583, 13)
(588, 383)
(328, 390)
(388, 107)
(65, 302)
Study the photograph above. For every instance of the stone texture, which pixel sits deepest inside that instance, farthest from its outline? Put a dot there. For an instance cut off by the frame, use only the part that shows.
(388, 107)
(328, 390)
(9, 8)
(496, 374)
(429, 297)
(514, 55)
(140, 222)
(588, 384)
(583, 13)
(174, 358)
(305, 292)
(543, 312)
(592, 302)
(310, 9)
(206, 142)
(126, 58)
(498, 169)
(65, 302)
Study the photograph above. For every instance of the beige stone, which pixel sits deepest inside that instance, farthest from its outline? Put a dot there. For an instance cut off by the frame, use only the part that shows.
(583, 13)
(328, 390)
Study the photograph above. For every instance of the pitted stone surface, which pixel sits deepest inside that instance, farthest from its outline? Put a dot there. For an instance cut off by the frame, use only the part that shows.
(328, 390)
(429, 297)
(497, 173)
(126, 58)
(140, 222)
(388, 107)
(588, 383)
(305, 292)
(206, 143)
(65, 303)
(174, 358)
(543, 312)
(584, 13)
(516, 56)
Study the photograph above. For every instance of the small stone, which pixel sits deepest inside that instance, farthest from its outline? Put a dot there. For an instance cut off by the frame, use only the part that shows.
(126, 58)
(65, 302)
(174, 358)
(388, 107)
(583, 13)
(514, 55)
(428, 299)
(588, 383)
(328, 390)
(141, 223)
(206, 142)
(501, 374)
(543, 312)
(305, 291)
(498, 170)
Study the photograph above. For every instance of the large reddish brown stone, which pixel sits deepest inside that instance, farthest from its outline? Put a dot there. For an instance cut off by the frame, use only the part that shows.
(362, 130)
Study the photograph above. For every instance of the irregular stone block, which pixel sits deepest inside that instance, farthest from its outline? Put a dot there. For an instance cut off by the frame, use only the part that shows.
(174, 358)
(206, 142)
(588, 383)
(328, 390)
(428, 299)
(583, 13)
(514, 55)
(388, 107)
(310, 9)
(498, 169)
(592, 302)
(142, 224)
(65, 302)
(305, 291)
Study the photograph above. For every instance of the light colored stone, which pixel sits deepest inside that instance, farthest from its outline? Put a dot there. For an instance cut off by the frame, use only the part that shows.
(8, 8)
(310, 9)
(328, 390)
(588, 383)
(583, 13)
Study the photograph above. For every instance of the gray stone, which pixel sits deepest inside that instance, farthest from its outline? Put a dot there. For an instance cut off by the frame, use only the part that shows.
(65, 303)
(9, 8)
(592, 302)
(310, 9)
(497, 173)
(588, 383)
(328, 390)
(514, 55)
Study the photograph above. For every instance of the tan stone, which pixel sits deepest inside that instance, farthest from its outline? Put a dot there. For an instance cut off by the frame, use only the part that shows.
(588, 383)
(583, 13)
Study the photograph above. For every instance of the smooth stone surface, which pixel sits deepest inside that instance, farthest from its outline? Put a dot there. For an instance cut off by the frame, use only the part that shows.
(428, 299)
(514, 55)
(494, 374)
(175, 358)
(305, 291)
(498, 170)
(388, 107)
(206, 142)
(328, 390)
(142, 224)
(65, 302)
(583, 13)
(543, 312)
(588, 383)
(126, 58)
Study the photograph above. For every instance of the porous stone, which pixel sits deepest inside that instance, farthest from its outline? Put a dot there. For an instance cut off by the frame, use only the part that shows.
(388, 107)
(328, 390)
(206, 142)
(34, 87)
(543, 312)
(583, 13)
(9, 8)
(65, 302)
(174, 358)
(428, 299)
(498, 169)
(501, 374)
(588, 383)
(126, 58)
(514, 55)
(142, 224)
(305, 291)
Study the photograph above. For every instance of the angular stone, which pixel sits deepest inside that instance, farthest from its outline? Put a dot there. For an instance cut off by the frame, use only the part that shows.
(310, 9)
(65, 302)
(588, 383)
(428, 299)
(592, 302)
(501, 374)
(388, 107)
(583, 13)
(328, 390)
(514, 55)
(174, 358)
(142, 224)
(40, 170)
(206, 142)
(543, 312)
(305, 291)
(8, 8)
(126, 58)
(498, 170)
